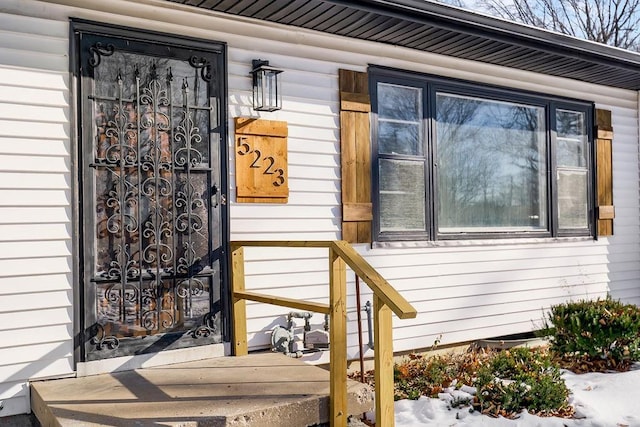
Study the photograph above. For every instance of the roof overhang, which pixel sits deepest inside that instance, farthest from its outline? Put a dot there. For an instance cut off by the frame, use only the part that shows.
(438, 28)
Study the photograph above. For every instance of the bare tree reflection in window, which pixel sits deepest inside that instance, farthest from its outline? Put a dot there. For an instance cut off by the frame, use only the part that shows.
(489, 158)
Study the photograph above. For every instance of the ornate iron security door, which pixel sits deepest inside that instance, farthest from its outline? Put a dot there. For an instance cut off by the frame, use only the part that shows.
(152, 194)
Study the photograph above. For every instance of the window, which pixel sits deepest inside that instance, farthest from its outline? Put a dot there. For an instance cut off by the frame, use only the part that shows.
(454, 160)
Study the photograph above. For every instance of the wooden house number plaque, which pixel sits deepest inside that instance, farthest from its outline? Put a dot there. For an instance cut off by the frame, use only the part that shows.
(261, 161)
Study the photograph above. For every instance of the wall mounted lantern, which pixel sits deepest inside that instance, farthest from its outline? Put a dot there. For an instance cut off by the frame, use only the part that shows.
(267, 92)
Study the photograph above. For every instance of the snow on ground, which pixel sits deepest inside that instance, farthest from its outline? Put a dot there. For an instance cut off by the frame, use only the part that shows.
(600, 400)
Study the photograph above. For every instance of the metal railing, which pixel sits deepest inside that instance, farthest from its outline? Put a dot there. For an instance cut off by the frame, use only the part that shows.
(386, 300)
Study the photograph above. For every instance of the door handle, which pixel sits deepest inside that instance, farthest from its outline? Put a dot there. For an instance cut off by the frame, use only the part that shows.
(217, 198)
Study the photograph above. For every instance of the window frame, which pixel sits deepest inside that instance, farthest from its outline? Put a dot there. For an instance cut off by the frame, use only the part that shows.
(432, 85)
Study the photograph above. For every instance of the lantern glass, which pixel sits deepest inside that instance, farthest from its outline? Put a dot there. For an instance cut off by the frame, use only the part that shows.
(267, 93)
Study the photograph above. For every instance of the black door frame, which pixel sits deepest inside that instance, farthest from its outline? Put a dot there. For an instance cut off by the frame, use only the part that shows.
(78, 28)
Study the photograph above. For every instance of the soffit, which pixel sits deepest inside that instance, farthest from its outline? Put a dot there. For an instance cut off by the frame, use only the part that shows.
(437, 28)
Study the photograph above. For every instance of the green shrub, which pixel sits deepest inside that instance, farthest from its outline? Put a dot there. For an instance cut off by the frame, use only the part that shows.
(519, 379)
(601, 330)
(506, 381)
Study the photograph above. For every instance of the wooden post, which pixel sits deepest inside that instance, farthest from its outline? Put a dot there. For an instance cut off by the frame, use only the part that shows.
(239, 304)
(383, 363)
(338, 337)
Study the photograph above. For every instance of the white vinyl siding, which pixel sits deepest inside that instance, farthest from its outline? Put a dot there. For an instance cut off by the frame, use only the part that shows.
(35, 211)
(462, 292)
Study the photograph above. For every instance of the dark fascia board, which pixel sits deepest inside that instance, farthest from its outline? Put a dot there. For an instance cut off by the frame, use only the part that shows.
(459, 20)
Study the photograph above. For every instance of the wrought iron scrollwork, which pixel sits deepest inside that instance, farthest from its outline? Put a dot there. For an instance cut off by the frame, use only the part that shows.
(188, 135)
(151, 172)
(101, 340)
(207, 328)
(97, 51)
(203, 65)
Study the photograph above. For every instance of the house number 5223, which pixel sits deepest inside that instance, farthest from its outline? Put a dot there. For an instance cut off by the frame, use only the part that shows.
(260, 161)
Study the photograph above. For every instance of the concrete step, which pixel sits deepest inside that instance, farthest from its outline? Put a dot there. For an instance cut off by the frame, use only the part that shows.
(261, 389)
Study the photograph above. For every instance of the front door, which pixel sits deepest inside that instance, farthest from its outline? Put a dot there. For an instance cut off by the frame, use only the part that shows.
(152, 199)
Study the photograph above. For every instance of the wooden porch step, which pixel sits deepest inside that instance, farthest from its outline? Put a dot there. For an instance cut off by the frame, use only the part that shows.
(261, 389)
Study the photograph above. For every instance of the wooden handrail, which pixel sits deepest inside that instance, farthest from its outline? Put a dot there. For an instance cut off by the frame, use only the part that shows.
(380, 287)
(282, 243)
(385, 301)
(315, 307)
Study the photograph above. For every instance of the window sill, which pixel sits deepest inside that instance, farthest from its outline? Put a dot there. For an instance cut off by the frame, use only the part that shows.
(479, 242)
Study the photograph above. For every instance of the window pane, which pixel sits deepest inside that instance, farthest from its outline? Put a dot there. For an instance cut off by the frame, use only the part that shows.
(399, 138)
(571, 139)
(402, 195)
(491, 165)
(399, 120)
(572, 199)
(571, 160)
(399, 102)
